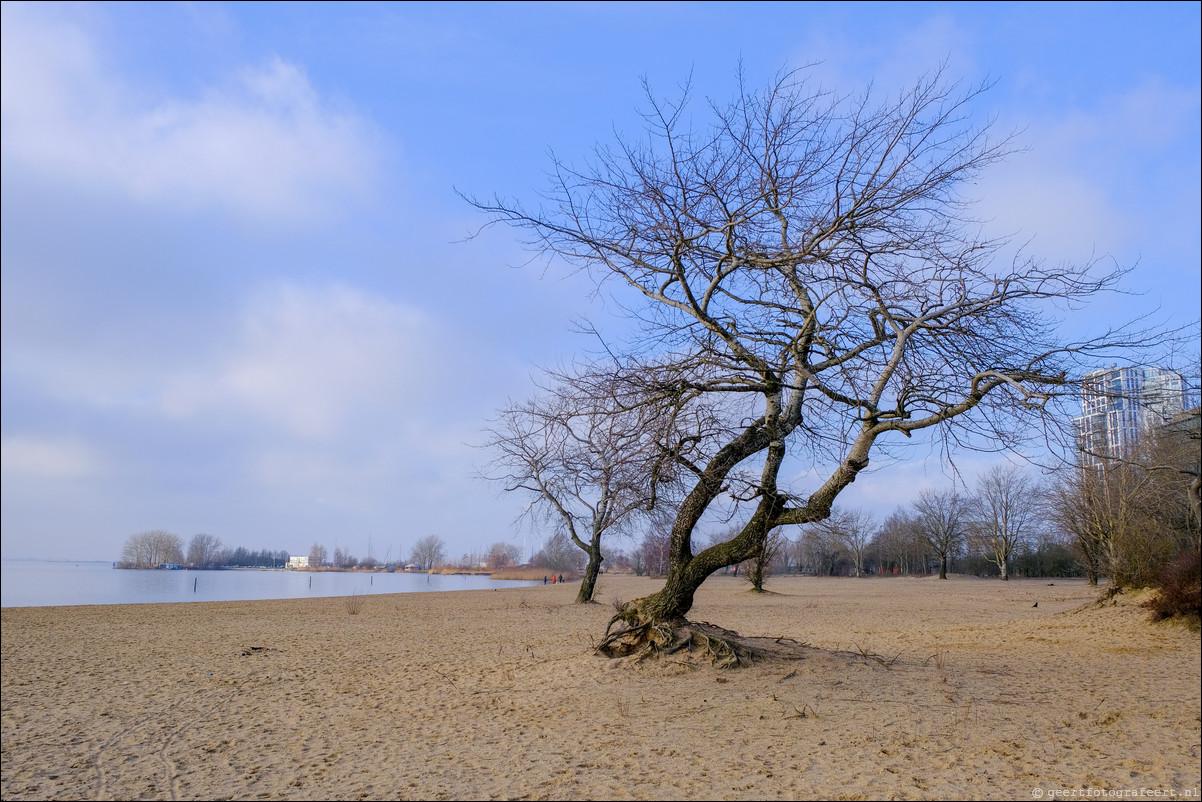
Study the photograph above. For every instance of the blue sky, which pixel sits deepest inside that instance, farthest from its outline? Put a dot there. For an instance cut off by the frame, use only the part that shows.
(237, 297)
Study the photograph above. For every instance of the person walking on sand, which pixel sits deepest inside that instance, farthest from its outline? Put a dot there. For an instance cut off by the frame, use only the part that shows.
(544, 579)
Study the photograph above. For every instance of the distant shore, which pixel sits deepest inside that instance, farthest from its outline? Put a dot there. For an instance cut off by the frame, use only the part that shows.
(911, 689)
(516, 572)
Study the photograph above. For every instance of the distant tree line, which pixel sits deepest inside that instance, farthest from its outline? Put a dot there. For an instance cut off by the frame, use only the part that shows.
(1131, 521)
(558, 555)
(203, 551)
(428, 552)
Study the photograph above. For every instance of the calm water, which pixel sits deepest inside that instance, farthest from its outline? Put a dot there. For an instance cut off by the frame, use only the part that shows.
(56, 584)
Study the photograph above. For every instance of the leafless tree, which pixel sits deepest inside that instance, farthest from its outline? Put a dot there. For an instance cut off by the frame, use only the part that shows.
(204, 551)
(1171, 460)
(809, 261)
(853, 531)
(1005, 513)
(428, 552)
(638, 561)
(559, 554)
(943, 520)
(759, 567)
(589, 464)
(152, 549)
(900, 542)
(1175, 455)
(343, 557)
(1130, 515)
(653, 551)
(503, 555)
(318, 555)
(818, 552)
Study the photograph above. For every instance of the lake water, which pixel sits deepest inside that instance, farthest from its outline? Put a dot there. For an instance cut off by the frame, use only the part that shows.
(56, 584)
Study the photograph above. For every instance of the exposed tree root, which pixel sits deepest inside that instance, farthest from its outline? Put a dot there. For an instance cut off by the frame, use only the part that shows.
(696, 639)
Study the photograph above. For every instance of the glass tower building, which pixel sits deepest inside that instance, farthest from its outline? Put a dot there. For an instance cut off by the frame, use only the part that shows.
(1119, 404)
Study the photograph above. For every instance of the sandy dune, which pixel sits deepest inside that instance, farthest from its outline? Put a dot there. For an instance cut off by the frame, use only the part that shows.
(914, 689)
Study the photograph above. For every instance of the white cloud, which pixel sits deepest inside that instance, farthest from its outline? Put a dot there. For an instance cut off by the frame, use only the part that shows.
(1089, 174)
(321, 477)
(936, 40)
(1041, 200)
(46, 458)
(1152, 115)
(264, 146)
(842, 61)
(310, 361)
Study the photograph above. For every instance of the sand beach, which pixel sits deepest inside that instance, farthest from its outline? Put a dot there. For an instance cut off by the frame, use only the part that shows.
(910, 689)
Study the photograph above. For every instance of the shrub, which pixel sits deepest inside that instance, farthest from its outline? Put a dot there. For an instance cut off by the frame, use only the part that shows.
(1180, 587)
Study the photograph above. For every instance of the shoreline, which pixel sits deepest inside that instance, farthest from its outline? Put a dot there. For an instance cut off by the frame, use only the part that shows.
(913, 689)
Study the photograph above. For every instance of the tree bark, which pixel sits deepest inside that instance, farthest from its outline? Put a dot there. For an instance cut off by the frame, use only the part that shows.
(588, 584)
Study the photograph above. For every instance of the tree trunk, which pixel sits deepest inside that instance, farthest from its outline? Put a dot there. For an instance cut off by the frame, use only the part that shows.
(657, 623)
(943, 566)
(673, 600)
(588, 584)
(757, 576)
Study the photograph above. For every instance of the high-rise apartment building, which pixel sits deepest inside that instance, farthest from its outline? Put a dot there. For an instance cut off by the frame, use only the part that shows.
(1120, 404)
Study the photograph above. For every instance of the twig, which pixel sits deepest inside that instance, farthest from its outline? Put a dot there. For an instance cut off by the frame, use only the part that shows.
(448, 679)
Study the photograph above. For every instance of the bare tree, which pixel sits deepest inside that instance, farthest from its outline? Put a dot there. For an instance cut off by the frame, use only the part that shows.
(587, 464)
(621, 562)
(942, 517)
(638, 561)
(343, 558)
(318, 555)
(503, 555)
(1004, 514)
(152, 549)
(900, 542)
(808, 266)
(204, 551)
(428, 552)
(818, 552)
(852, 530)
(1174, 456)
(1130, 515)
(759, 567)
(653, 552)
(559, 554)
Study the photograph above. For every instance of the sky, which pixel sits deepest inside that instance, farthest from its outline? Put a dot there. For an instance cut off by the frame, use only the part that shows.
(239, 296)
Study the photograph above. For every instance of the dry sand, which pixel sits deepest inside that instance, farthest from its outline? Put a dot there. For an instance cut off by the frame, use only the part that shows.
(915, 689)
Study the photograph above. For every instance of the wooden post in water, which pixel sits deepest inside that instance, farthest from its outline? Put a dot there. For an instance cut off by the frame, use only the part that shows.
(195, 579)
